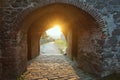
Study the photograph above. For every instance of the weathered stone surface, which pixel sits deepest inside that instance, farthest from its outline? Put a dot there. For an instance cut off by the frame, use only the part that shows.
(50, 67)
(108, 55)
(90, 62)
(117, 18)
(112, 40)
(116, 32)
(100, 5)
(91, 1)
(11, 17)
(114, 2)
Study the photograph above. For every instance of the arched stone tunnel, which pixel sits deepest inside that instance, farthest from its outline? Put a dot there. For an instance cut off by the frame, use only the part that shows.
(78, 29)
(81, 25)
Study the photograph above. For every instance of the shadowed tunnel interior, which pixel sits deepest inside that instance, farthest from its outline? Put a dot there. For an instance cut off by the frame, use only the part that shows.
(79, 28)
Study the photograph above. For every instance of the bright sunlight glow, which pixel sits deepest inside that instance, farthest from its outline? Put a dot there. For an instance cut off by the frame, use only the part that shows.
(54, 32)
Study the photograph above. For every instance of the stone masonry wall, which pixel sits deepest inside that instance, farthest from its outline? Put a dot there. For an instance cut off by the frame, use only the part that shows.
(0, 41)
(109, 9)
(1, 14)
(89, 51)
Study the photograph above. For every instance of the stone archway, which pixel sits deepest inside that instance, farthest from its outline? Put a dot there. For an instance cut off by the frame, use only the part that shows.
(32, 17)
(78, 33)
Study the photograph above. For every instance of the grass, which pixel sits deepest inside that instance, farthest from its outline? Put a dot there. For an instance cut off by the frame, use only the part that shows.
(61, 44)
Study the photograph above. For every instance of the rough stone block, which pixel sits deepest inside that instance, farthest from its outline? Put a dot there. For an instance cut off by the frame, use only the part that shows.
(108, 55)
(114, 2)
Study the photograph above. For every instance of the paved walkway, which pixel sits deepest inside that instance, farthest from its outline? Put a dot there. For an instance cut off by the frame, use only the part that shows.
(51, 65)
(49, 49)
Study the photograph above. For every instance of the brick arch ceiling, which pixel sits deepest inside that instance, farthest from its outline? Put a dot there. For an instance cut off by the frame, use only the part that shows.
(66, 15)
(30, 15)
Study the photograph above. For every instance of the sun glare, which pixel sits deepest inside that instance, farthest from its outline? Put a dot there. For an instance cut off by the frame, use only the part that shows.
(55, 31)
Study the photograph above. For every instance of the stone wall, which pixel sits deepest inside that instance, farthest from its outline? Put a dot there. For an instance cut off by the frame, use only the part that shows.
(10, 44)
(89, 51)
(110, 10)
(1, 14)
(0, 48)
(69, 44)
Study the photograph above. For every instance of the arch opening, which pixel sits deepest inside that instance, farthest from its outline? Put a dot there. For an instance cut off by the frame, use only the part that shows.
(53, 42)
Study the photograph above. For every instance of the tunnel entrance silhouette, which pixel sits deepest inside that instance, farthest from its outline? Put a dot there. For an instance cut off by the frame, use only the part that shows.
(82, 31)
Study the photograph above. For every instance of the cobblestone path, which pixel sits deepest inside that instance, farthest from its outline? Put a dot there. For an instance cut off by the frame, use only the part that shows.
(51, 65)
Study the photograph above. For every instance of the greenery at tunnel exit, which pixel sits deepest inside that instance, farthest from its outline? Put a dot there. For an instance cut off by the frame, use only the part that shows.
(61, 44)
